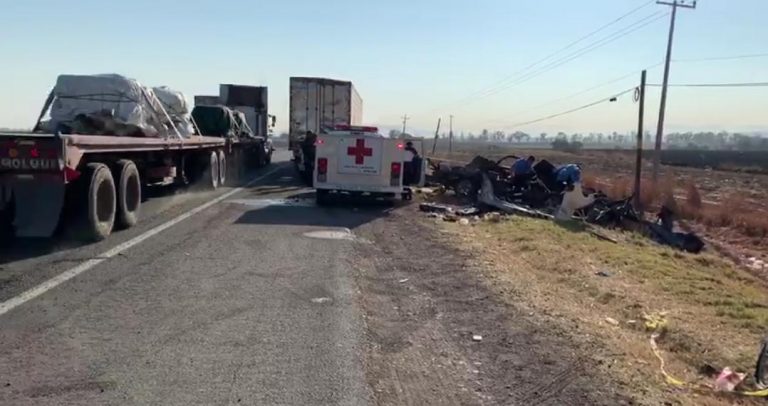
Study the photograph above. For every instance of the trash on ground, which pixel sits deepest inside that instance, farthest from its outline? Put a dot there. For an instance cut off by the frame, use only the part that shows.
(611, 321)
(477, 338)
(403, 280)
(464, 221)
(728, 380)
(603, 274)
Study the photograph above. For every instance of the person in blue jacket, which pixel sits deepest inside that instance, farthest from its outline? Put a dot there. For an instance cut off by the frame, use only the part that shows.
(569, 174)
(522, 171)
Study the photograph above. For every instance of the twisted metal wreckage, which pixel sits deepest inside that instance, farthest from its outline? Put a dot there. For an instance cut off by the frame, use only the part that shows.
(489, 186)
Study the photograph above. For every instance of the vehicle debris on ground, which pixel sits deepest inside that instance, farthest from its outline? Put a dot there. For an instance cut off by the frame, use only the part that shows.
(548, 192)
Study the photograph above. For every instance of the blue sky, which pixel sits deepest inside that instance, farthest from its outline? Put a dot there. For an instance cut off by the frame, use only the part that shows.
(414, 57)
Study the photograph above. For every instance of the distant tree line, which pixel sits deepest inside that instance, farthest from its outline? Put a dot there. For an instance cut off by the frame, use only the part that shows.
(689, 140)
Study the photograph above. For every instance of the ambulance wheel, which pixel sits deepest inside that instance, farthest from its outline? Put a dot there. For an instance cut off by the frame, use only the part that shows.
(128, 193)
(407, 196)
(322, 197)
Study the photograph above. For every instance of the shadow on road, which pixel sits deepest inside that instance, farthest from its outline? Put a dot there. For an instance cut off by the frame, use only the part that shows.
(300, 210)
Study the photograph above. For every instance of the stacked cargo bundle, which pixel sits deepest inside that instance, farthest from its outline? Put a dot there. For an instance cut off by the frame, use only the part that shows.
(115, 105)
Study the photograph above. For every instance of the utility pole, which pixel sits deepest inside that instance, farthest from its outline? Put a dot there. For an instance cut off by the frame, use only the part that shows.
(405, 120)
(450, 135)
(663, 104)
(640, 96)
(437, 134)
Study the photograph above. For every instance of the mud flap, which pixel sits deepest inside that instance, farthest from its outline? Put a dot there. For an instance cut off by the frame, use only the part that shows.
(38, 205)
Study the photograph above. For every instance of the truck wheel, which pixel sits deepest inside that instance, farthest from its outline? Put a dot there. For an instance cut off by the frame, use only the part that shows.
(97, 212)
(268, 159)
(128, 193)
(261, 159)
(212, 171)
(222, 168)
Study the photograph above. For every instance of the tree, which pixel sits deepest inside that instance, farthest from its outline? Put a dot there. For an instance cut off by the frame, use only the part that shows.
(543, 137)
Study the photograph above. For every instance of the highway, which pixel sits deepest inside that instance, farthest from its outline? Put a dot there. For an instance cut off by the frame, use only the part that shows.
(256, 296)
(234, 304)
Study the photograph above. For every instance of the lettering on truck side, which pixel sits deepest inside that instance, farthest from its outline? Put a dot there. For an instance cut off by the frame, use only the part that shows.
(30, 163)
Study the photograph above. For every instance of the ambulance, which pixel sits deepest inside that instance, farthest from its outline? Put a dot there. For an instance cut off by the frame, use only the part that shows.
(358, 161)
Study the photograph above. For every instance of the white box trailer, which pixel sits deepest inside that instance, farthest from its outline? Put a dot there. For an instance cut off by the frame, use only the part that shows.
(356, 160)
(317, 104)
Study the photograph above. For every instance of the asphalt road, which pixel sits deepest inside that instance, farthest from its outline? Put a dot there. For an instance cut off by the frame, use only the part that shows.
(235, 304)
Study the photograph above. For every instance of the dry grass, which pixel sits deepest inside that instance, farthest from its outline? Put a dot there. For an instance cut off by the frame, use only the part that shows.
(717, 313)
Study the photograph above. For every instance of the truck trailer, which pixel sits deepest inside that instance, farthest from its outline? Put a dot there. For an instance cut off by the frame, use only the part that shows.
(318, 104)
(95, 181)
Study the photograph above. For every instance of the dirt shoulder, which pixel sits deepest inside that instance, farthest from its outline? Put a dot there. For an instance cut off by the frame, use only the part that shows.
(424, 300)
(600, 291)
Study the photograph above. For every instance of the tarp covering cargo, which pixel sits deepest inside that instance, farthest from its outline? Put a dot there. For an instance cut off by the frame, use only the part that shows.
(220, 121)
(109, 104)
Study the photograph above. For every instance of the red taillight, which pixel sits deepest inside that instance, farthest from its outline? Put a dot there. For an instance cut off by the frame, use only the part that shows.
(400, 146)
(34, 153)
(322, 166)
(396, 167)
(319, 141)
(70, 174)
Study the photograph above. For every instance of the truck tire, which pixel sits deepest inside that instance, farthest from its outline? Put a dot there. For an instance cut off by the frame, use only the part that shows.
(261, 159)
(268, 159)
(211, 175)
(99, 204)
(222, 168)
(128, 193)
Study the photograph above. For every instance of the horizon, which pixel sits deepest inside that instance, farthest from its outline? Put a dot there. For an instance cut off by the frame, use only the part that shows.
(438, 65)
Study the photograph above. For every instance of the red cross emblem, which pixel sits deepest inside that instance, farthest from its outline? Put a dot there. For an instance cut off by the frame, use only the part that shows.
(359, 151)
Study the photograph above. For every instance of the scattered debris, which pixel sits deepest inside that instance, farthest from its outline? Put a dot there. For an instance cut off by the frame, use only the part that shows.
(464, 221)
(493, 188)
(612, 321)
(477, 338)
(403, 280)
(728, 380)
(321, 300)
(603, 274)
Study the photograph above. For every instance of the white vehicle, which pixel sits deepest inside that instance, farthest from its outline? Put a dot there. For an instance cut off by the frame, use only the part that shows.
(317, 104)
(354, 160)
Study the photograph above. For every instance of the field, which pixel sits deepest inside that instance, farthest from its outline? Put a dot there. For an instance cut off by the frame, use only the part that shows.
(729, 208)
(610, 295)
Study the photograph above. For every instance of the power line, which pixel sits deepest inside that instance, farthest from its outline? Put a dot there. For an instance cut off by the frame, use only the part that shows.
(607, 99)
(723, 58)
(579, 93)
(598, 44)
(566, 47)
(744, 84)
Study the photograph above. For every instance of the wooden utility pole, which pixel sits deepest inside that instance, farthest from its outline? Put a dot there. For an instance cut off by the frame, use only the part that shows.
(405, 120)
(640, 95)
(450, 135)
(663, 103)
(437, 134)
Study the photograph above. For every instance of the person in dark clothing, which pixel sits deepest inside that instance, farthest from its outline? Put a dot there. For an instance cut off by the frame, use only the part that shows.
(522, 172)
(411, 165)
(308, 151)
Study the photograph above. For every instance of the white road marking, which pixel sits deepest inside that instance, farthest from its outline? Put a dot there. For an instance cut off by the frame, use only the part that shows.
(57, 280)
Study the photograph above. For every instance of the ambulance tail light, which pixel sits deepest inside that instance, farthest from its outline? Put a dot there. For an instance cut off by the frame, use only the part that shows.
(322, 169)
(394, 179)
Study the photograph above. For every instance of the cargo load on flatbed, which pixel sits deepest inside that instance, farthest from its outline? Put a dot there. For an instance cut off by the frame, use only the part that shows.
(111, 104)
